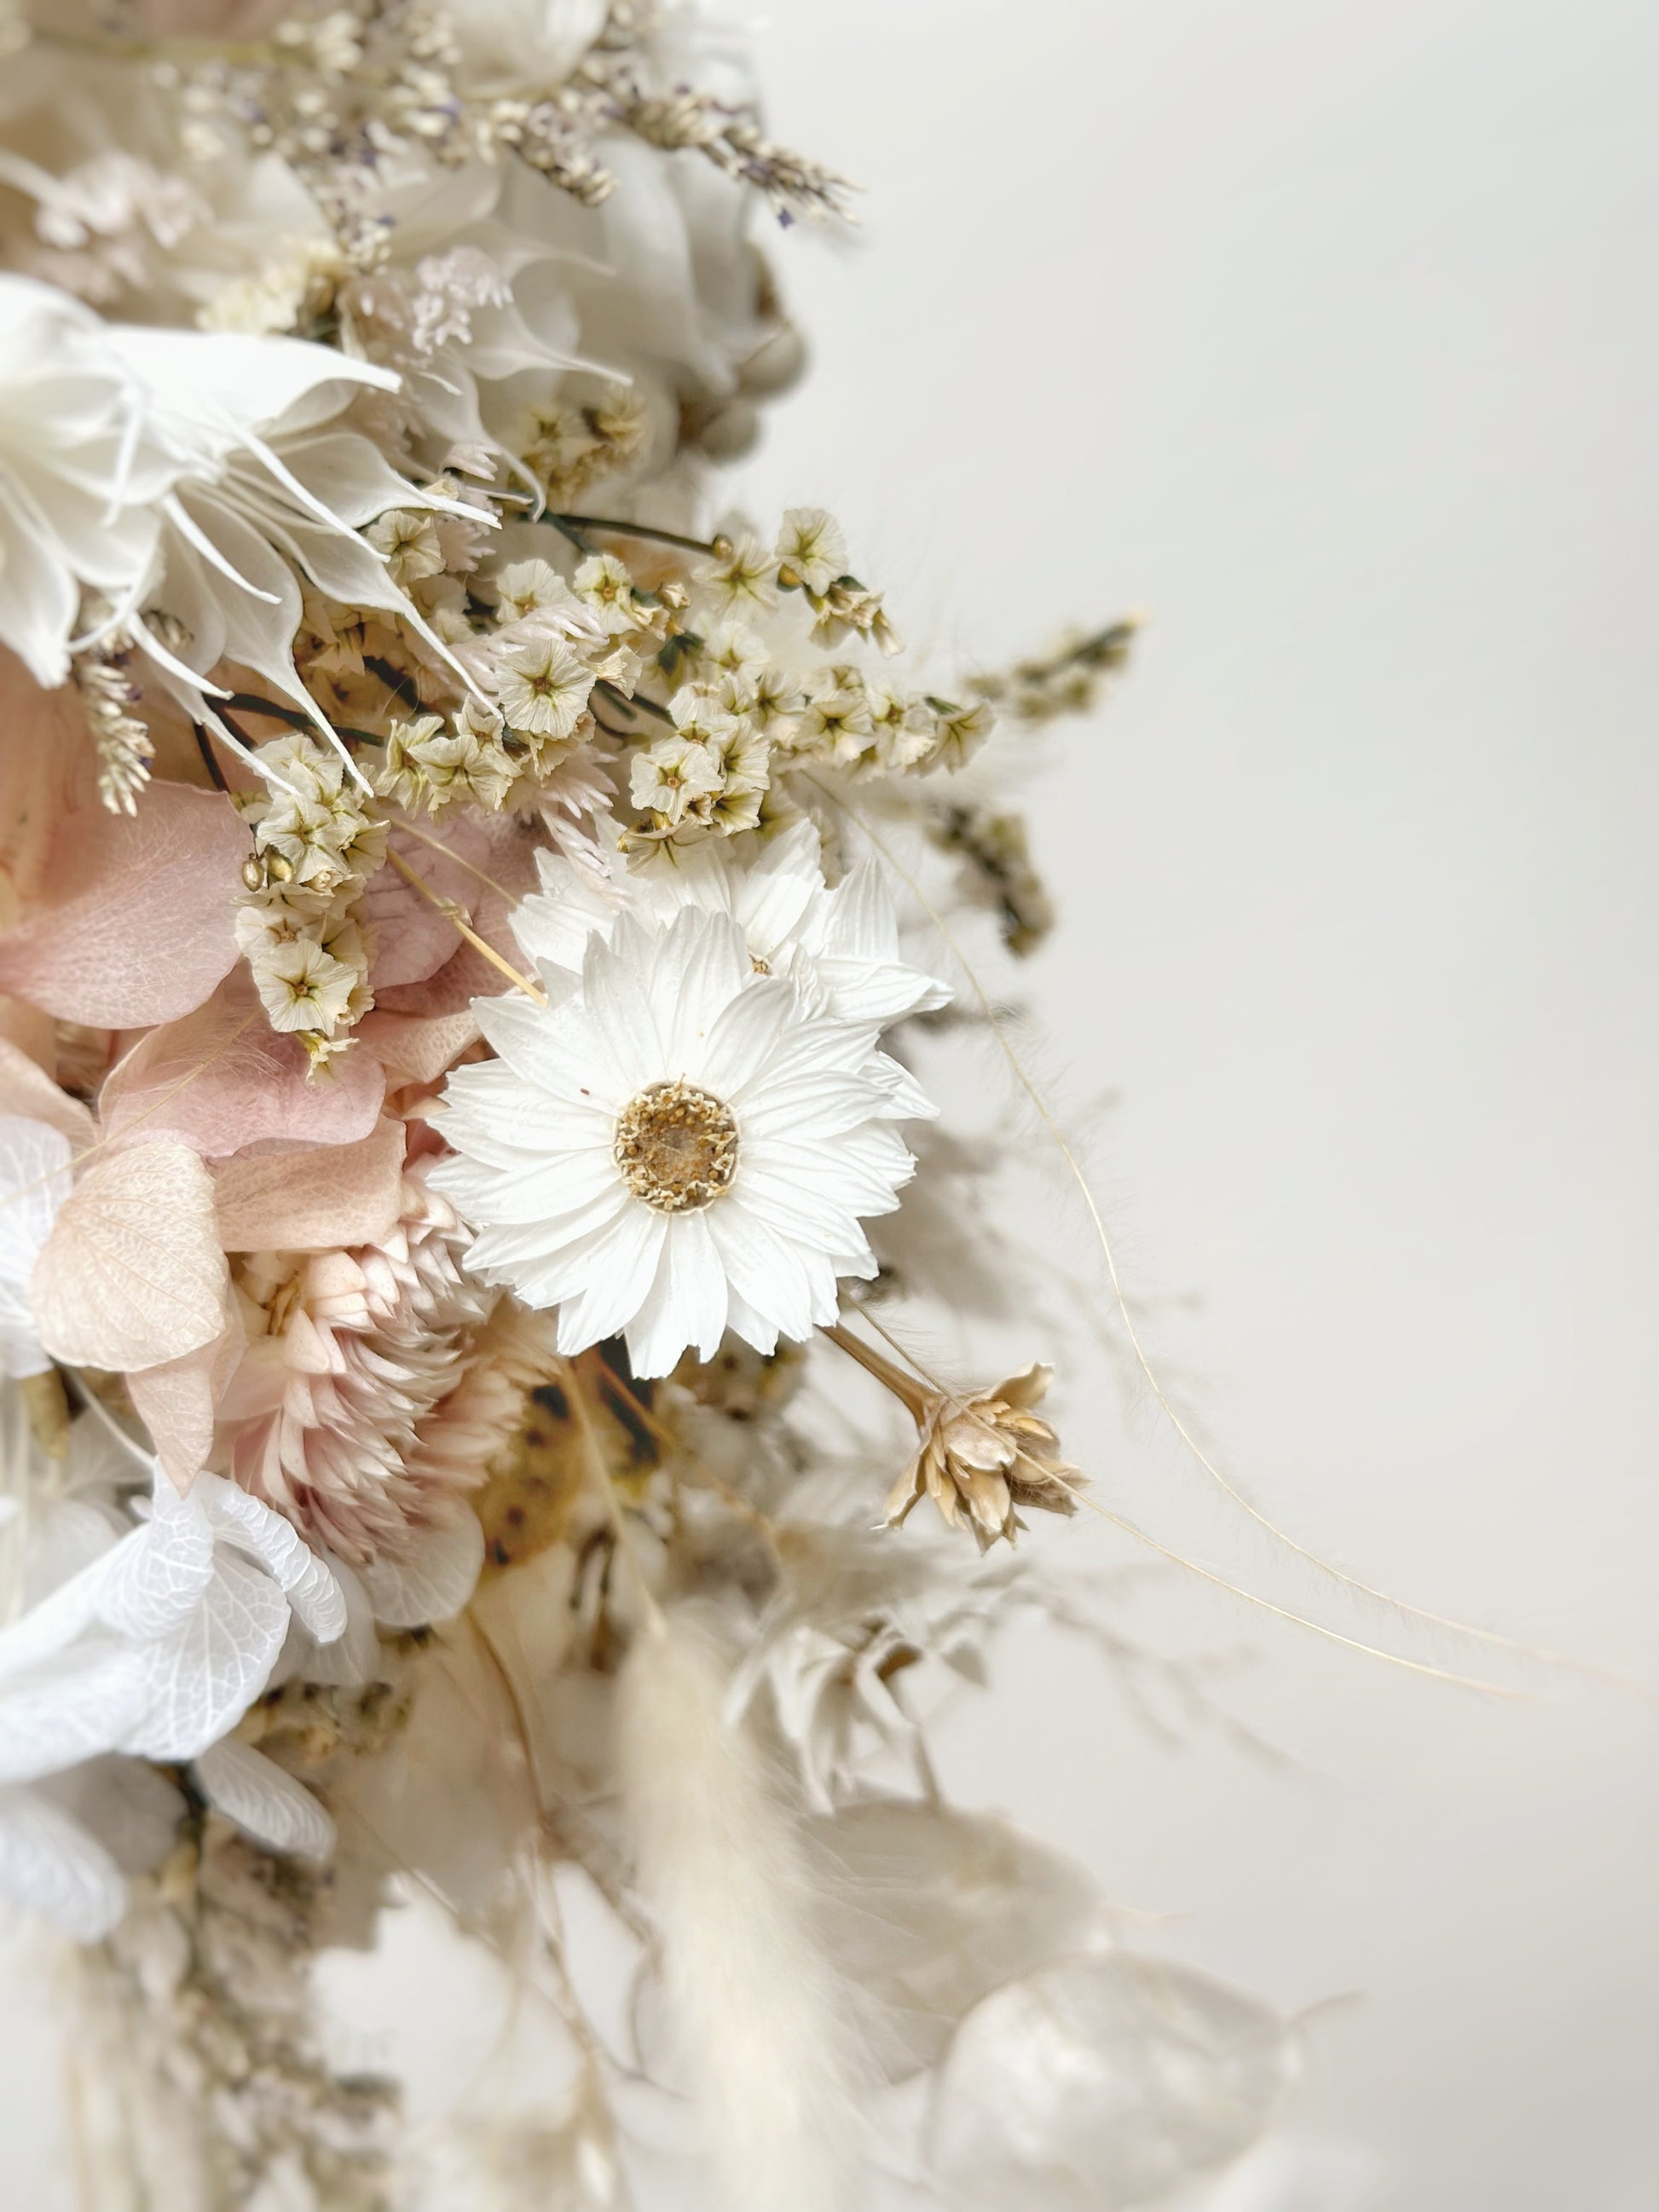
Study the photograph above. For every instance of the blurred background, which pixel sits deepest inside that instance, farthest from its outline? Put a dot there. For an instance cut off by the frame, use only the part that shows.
(1328, 336)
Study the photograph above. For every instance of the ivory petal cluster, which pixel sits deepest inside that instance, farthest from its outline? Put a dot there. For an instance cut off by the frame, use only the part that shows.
(535, 1132)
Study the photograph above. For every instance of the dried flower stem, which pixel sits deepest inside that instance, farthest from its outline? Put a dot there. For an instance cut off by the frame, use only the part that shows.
(455, 915)
(631, 530)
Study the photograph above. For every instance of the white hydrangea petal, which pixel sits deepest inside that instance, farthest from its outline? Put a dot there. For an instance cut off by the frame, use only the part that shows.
(54, 1623)
(306, 1580)
(433, 1578)
(50, 1866)
(262, 1801)
(34, 1181)
(148, 1588)
(82, 1704)
(198, 1682)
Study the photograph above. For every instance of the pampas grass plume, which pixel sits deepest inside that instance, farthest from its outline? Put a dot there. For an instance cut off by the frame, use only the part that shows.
(763, 2022)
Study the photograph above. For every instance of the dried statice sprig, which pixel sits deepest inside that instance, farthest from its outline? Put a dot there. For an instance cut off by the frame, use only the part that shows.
(990, 842)
(337, 94)
(997, 871)
(1066, 680)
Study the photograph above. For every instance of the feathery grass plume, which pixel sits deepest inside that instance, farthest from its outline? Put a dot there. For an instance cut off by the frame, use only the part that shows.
(762, 2019)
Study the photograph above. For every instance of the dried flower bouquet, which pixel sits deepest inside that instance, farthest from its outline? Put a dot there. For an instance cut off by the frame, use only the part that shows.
(466, 982)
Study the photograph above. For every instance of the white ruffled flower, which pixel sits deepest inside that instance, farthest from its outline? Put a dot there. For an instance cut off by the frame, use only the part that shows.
(673, 1146)
(201, 473)
(840, 947)
(83, 465)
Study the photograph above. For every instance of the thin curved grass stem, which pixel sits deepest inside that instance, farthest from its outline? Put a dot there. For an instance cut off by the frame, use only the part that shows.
(1542, 1653)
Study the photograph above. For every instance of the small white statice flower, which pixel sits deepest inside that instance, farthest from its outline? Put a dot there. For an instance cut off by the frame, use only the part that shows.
(737, 653)
(411, 544)
(543, 689)
(523, 588)
(812, 553)
(835, 723)
(738, 574)
(699, 716)
(906, 728)
(959, 732)
(303, 987)
(605, 585)
(671, 775)
(675, 1147)
(743, 758)
(428, 766)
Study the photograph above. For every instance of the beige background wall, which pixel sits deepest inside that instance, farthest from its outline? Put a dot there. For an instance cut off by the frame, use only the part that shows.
(1327, 333)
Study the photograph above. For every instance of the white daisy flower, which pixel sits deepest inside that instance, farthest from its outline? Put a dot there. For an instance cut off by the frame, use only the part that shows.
(674, 1145)
(841, 946)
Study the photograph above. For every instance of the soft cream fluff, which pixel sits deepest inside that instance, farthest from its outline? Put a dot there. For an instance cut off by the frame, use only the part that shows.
(758, 2012)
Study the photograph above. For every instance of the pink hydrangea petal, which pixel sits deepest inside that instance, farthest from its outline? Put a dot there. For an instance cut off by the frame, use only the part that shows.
(307, 1202)
(134, 924)
(27, 1089)
(222, 1080)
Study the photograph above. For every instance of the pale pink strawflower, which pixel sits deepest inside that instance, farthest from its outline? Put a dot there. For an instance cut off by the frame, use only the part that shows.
(349, 1354)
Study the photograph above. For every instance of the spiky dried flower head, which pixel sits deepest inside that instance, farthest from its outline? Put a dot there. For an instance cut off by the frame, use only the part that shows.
(983, 1457)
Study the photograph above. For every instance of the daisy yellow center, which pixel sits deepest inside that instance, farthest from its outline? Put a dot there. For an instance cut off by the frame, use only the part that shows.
(676, 1146)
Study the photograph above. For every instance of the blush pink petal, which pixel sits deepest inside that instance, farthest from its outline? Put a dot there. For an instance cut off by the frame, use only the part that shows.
(27, 1089)
(176, 1403)
(416, 1048)
(307, 1202)
(415, 940)
(222, 1080)
(134, 924)
(132, 1274)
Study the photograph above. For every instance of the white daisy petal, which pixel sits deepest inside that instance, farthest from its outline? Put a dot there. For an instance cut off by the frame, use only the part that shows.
(615, 1283)
(686, 1305)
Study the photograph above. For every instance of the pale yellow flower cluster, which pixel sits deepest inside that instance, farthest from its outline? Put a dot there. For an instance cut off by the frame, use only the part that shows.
(315, 846)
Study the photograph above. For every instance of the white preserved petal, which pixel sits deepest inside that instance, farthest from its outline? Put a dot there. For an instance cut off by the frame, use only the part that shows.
(34, 1181)
(265, 1801)
(1100, 2083)
(681, 1145)
(157, 1645)
(931, 1909)
(50, 1866)
(432, 1578)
